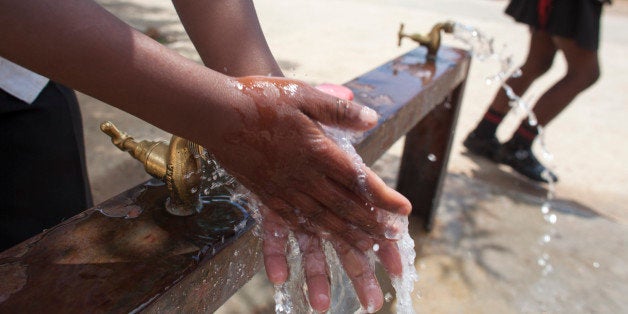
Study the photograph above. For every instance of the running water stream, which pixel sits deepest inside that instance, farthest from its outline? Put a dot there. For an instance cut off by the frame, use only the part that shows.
(291, 297)
(482, 48)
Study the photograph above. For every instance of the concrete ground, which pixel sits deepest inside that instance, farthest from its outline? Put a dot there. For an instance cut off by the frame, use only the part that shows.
(492, 250)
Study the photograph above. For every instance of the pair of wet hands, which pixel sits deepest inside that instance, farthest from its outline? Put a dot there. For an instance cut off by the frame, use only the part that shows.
(278, 149)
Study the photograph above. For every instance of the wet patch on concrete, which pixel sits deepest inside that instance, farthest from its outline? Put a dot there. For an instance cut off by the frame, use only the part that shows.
(484, 255)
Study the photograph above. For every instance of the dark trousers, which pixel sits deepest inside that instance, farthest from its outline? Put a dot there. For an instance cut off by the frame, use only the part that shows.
(43, 178)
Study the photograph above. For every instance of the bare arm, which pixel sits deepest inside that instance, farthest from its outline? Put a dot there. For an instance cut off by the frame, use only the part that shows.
(80, 44)
(244, 122)
(229, 39)
(228, 36)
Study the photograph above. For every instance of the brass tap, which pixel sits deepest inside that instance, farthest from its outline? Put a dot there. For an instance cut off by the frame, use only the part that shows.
(431, 40)
(178, 164)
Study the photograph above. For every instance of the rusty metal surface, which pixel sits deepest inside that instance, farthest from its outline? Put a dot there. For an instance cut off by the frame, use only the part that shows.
(425, 156)
(403, 91)
(139, 258)
(98, 262)
(221, 276)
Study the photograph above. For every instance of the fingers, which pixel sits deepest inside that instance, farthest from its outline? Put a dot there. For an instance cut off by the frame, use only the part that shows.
(274, 248)
(316, 104)
(349, 207)
(385, 197)
(323, 206)
(355, 262)
(375, 215)
(320, 220)
(389, 257)
(362, 275)
(316, 274)
(360, 180)
(333, 111)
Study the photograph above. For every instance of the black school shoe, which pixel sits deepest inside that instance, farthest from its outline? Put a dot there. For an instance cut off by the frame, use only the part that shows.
(519, 158)
(485, 147)
(522, 160)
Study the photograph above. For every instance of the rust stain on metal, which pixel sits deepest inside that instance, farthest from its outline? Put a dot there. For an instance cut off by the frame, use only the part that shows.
(97, 263)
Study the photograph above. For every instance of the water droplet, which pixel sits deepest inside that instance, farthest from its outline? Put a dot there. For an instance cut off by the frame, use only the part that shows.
(431, 157)
(418, 296)
(291, 89)
(545, 208)
(551, 218)
(547, 238)
(547, 156)
(388, 297)
(375, 247)
(596, 265)
(392, 234)
(193, 190)
(371, 306)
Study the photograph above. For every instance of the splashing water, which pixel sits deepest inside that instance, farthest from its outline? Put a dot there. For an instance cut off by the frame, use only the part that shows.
(404, 285)
(344, 140)
(482, 48)
(291, 297)
(284, 297)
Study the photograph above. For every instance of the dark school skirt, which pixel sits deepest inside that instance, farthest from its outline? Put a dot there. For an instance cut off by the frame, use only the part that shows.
(43, 179)
(574, 19)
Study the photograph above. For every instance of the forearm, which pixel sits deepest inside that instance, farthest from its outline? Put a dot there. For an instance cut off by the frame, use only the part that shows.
(78, 43)
(228, 36)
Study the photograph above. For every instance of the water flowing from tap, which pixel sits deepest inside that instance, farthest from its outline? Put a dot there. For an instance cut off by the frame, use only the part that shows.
(291, 297)
(482, 48)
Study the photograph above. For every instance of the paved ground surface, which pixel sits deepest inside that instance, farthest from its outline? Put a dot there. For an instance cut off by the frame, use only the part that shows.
(489, 248)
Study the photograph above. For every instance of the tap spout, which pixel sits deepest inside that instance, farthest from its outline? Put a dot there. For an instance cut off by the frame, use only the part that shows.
(178, 164)
(431, 41)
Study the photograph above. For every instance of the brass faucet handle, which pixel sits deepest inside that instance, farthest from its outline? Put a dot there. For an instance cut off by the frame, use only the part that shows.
(420, 39)
(179, 164)
(400, 35)
(118, 137)
(150, 153)
(431, 40)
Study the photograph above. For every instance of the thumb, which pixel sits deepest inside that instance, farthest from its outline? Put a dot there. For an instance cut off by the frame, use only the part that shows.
(338, 112)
